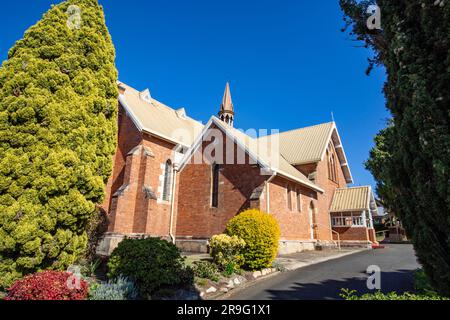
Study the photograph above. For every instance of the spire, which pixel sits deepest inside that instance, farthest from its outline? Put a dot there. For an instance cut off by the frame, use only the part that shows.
(226, 113)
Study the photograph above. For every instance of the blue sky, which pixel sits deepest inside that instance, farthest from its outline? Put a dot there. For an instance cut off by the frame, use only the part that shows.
(287, 61)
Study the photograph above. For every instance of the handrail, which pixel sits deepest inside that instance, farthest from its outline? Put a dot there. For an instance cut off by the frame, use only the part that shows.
(332, 231)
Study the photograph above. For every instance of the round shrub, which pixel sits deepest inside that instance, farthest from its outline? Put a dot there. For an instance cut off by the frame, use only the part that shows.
(150, 263)
(227, 252)
(49, 285)
(261, 233)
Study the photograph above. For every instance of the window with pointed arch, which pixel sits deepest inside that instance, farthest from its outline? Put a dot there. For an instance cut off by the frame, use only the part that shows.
(215, 185)
(167, 184)
(333, 168)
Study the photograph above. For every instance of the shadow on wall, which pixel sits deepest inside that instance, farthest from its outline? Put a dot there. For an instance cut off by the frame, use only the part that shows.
(331, 289)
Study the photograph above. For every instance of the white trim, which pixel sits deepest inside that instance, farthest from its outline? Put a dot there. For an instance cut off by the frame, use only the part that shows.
(337, 146)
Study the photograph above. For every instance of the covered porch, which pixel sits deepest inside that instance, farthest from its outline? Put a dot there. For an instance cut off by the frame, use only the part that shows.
(352, 212)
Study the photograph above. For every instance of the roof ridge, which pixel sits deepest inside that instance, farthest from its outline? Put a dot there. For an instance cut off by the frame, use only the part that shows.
(357, 187)
(308, 127)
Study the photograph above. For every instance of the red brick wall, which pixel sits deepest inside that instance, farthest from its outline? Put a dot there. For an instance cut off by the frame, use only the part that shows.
(128, 138)
(294, 225)
(196, 217)
(133, 212)
(351, 234)
(323, 181)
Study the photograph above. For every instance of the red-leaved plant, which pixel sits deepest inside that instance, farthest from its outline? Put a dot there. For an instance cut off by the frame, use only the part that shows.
(49, 285)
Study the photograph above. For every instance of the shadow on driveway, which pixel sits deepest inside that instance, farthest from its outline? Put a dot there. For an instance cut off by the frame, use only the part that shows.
(331, 289)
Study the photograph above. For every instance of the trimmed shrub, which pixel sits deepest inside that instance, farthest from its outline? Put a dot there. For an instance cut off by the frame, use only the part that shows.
(150, 263)
(48, 285)
(227, 252)
(119, 289)
(261, 233)
(58, 133)
(206, 270)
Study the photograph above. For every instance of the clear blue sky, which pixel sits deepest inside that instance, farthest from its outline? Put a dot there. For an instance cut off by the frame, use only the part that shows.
(287, 61)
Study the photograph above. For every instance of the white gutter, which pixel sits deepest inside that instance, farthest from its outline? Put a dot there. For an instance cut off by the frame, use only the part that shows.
(268, 191)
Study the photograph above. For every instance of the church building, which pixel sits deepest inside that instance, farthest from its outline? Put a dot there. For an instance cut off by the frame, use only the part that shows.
(180, 180)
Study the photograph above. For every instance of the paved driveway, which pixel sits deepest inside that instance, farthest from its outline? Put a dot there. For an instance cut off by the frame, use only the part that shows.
(325, 280)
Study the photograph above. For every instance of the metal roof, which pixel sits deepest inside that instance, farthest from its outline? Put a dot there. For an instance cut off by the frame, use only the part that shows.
(154, 117)
(352, 199)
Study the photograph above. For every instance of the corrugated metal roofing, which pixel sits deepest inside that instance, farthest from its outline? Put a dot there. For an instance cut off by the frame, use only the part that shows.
(156, 118)
(351, 199)
(304, 145)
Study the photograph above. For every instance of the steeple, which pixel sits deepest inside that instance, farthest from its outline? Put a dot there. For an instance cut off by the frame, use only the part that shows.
(226, 113)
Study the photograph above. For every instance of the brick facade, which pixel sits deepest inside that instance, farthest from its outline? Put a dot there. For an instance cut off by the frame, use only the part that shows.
(134, 192)
(135, 205)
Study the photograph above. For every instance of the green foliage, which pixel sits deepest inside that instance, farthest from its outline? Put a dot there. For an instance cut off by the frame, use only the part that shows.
(422, 283)
(58, 119)
(261, 234)
(206, 270)
(88, 268)
(150, 263)
(119, 289)
(227, 252)
(352, 295)
(411, 158)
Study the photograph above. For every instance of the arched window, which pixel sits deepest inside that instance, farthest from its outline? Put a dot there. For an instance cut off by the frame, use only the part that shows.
(215, 186)
(329, 165)
(333, 168)
(167, 181)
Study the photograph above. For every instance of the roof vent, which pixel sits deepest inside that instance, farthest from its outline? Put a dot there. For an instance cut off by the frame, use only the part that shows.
(146, 96)
(121, 88)
(181, 113)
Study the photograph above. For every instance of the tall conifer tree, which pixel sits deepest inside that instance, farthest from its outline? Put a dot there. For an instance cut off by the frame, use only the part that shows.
(58, 124)
(411, 159)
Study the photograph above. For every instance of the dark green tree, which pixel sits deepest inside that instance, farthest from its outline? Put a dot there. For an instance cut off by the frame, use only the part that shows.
(58, 113)
(411, 159)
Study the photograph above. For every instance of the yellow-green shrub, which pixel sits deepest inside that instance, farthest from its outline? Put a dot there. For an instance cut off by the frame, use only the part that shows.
(227, 252)
(261, 233)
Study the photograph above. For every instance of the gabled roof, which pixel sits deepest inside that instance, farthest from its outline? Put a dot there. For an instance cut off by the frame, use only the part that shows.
(151, 116)
(354, 199)
(309, 145)
(266, 158)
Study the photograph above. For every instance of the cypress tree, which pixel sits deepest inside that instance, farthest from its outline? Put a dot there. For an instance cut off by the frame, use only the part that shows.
(411, 158)
(58, 124)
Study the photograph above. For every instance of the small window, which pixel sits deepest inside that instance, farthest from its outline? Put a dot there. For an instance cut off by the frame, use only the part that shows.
(289, 197)
(167, 181)
(299, 201)
(215, 185)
